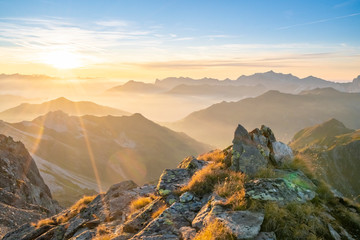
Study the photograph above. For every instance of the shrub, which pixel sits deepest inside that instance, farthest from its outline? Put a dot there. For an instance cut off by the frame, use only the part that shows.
(215, 230)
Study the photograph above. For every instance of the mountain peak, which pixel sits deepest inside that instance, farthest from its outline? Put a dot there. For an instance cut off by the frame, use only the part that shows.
(61, 100)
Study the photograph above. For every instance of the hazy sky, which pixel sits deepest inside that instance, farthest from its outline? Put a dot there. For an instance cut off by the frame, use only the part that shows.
(154, 39)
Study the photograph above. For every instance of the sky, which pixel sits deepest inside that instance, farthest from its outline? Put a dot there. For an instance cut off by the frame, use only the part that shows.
(148, 39)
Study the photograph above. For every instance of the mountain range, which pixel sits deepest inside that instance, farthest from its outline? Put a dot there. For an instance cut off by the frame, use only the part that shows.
(286, 113)
(77, 154)
(270, 80)
(27, 111)
(333, 153)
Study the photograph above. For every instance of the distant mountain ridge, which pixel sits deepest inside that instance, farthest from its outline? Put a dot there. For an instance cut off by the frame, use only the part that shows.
(333, 152)
(26, 111)
(67, 148)
(270, 80)
(287, 113)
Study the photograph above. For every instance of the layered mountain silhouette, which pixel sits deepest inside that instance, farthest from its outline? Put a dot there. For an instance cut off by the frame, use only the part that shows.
(26, 111)
(333, 153)
(260, 82)
(286, 113)
(76, 154)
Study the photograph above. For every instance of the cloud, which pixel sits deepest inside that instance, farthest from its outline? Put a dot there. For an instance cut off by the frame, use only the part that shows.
(319, 21)
(112, 23)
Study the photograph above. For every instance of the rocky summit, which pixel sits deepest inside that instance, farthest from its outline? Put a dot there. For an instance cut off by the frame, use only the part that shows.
(24, 197)
(254, 189)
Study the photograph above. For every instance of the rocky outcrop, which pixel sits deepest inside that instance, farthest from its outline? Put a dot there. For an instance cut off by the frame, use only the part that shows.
(244, 211)
(24, 197)
(253, 151)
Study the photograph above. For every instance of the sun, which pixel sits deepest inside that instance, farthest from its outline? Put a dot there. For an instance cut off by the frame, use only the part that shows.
(63, 59)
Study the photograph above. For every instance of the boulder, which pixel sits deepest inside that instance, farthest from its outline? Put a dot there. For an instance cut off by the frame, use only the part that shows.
(172, 179)
(170, 221)
(280, 190)
(281, 153)
(192, 164)
(246, 157)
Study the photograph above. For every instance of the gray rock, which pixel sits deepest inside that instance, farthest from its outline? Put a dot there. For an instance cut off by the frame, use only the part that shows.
(281, 154)
(186, 197)
(266, 236)
(246, 157)
(278, 189)
(140, 219)
(172, 179)
(187, 233)
(333, 233)
(243, 224)
(192, 164)
(85, 235)
(24, 196)
(170, 221)
(214, 201)
(75, 224)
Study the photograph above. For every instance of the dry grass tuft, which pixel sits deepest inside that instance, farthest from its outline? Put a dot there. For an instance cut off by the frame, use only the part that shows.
(159, 211)
(233, 189)
(213, 156)
(103, 233)
(205, 179)
(215, 231)
(139, 203)
(43, 222)
(75, 209)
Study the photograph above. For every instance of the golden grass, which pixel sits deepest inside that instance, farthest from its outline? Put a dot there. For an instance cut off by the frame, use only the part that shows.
(139, 203)
(215, 230)
(233, 189)
(103, 233)
(158, 212)
(43, 222)
(205, 179)
(75, 209)
(214, 156)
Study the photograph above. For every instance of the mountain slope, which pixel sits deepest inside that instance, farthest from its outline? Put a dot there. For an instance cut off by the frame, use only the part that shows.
(28, 111)
(333, 153)
(24, 196)
(208, 198)
(81, 152)
(286, 113)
